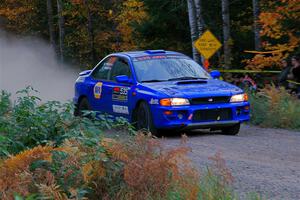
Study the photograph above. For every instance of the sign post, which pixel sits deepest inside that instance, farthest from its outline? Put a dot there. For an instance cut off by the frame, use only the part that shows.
(206, 64)
(207, 45)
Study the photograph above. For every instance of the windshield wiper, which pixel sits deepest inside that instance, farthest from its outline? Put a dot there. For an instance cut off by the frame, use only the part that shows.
(153, 80)
(185, 78)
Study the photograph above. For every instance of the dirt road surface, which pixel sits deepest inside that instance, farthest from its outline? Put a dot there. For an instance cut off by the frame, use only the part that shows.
(266, 161)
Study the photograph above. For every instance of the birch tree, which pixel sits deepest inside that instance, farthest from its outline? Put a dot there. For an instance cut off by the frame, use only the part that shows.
(256, 27)
(193, 27)
(50, 24)
(226, 33)
(90, 31)
(200, 21)
(61, 27)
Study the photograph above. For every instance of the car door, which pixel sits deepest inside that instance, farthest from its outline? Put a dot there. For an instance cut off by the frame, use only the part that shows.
(120, 92)
(100, 98)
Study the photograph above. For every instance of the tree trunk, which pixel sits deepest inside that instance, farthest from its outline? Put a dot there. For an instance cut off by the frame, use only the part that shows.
(90, 31)
(193, 27)
(200, 21)
(256, 12)
(61, 27)
(50, 24)
(226, 33)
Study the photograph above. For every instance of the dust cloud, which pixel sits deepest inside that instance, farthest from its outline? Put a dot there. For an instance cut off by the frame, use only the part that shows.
(30, 61)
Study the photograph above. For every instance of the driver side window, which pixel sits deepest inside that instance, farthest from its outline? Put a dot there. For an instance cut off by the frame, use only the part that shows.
(121, 67)
(103, 71)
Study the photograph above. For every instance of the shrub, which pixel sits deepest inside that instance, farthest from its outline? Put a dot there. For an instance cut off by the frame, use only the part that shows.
(28, 123)
(151, 172)
(275, 107)
(15, 175)
(216, 181)
(137, 169)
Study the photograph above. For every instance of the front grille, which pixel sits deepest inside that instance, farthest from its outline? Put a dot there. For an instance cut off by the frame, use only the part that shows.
(210, 100)
(213, 115)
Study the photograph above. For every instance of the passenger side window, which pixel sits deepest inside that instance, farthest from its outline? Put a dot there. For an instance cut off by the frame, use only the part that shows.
(102, 72)
(121, 67)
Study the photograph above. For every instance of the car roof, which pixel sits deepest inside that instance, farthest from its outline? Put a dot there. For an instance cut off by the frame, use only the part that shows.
(135, 54)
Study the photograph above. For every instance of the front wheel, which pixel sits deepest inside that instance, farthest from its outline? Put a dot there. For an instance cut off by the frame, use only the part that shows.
(82, 106)
(231, 130)
(144, 119)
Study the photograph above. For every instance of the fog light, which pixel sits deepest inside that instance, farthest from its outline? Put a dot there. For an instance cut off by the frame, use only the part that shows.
(168, 112)
(247, 108)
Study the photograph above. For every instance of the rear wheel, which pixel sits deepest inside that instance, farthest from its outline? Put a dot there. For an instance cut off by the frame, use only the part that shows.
(144, 119)
(231, 130)
(82, 106)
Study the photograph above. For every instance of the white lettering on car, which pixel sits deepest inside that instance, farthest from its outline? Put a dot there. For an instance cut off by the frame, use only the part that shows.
(153, 101)
(120, 109)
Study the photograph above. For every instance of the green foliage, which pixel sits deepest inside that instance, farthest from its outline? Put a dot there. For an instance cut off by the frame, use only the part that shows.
(29, 123)
(212, 187)
(275, 108)
(167, 26)
(30, 197)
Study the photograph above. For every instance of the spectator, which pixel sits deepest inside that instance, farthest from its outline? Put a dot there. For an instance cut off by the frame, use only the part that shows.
(296, 72)
(296, 67)
(283, 76)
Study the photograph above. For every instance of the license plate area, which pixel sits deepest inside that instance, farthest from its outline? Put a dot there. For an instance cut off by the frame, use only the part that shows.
(213, 115)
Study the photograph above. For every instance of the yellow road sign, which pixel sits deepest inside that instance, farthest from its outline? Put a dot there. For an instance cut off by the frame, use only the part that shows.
(207, 44)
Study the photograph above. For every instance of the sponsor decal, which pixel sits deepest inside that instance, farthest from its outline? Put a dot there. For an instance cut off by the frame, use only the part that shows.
(120, 94)
(98, 90)
(154, 101)
(120, 109)
(157, 57)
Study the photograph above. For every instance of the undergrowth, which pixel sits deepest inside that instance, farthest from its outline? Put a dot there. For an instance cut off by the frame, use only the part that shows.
(47, 153)
(276, 108)
(27, 123)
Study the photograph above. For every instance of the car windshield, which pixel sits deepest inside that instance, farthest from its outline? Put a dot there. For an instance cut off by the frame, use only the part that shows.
(151, 69)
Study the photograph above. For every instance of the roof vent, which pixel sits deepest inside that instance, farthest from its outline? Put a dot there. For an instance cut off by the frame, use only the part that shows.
(155, 51)
(191, 82)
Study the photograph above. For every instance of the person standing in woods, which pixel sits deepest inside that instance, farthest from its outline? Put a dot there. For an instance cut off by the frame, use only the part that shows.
(283, 76)
(296, 72)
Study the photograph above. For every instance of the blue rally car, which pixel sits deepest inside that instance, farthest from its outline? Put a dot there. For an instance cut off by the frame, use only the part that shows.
(157, 90)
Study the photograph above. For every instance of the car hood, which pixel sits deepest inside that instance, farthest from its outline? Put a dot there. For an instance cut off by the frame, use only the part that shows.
(194, 88)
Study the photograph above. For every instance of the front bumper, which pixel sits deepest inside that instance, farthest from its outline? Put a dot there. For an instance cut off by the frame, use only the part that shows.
(183, 117)
(212, 124)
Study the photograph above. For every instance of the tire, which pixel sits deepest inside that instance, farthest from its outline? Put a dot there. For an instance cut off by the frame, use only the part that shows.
(83, 105)
(231, 130)
(144, 119)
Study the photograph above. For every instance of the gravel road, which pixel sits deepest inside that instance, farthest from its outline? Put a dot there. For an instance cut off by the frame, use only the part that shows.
(266, 161)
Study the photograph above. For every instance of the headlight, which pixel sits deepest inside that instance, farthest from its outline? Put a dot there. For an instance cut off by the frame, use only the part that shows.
(239, 98)
(174, 102)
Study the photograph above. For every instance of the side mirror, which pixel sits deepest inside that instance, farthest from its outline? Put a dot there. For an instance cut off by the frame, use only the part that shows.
(215, 74)
(123, 79)
(86, 72)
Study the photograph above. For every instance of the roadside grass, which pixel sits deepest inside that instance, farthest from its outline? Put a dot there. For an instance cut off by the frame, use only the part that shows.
(275, 108)
(47, 153)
